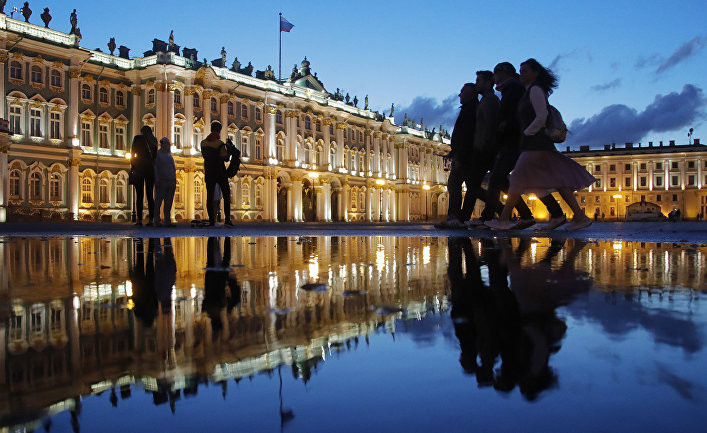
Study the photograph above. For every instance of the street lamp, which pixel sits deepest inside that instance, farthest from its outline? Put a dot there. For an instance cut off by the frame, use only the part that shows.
(380, 182)
(618, 203)
(427, 189)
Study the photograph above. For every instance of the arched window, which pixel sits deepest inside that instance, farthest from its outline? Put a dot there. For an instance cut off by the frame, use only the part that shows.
(103, 95)
(229, 108)
(258, 148)
(362, 200)
(16, 70)
(177, 136)
(346, 159)
(15, 119)
(245, 144)
(150, 97)
(197, 138)
(317, 155)
(307, 153)
(120, 191)
(354, 198)
(258, 196)
(280, 150)
(177, 97)
(35, 122)
(86, 92)
(55, 190)
(198, 193)
(15, 185)
(196, 102)
(278, 117)
(244, 111)
(35, 186)
(119, 98)
(36, 74)
(214, 105)
(307, 123)
(258, 115)
(245, 194)
(86, 190)
(352, 165)
(332, 157)
(178, 193)
(104, 191)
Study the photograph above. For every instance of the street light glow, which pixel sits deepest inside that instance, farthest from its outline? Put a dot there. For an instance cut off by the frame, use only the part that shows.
(380, 182)
(426, 187)
(313, 174)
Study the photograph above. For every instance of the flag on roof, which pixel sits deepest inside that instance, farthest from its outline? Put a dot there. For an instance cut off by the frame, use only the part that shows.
(285, 26)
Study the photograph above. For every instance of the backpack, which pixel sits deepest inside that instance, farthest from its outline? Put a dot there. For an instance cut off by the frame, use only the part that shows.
(555, 127)
(235, 163)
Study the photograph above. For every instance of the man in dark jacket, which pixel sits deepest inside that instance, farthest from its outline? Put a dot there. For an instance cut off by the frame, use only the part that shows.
(461, 156)
(214, 152)
(508, 140)
(142, 156)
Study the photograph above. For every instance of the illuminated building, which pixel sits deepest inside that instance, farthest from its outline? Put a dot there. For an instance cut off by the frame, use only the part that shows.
(309, 155)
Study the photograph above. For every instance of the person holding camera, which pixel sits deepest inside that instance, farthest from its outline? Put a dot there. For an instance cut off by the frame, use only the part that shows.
(215, 153)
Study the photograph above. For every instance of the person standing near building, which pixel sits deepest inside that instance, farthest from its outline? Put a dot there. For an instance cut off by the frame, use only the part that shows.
(541, 169)
(215, 154)
(461, 156)
(142, 159)
(165, 183)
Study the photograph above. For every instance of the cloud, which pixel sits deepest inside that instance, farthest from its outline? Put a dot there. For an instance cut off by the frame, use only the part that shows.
(606, 86)
(555, 63)
(433, 112)
(620, 123)
(684, 52)
(645, 61)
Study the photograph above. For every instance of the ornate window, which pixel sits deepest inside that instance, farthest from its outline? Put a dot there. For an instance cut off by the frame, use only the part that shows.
(278, 117)
(104, 191)
(196, 101)
(16, 70)
(258, 196)
(229, 108)
(120, 98)
(258, 115)
(197, 193)
(36, 75)
(120, 191)
(150, 97)
(280, 150)
(15, 119)
(258, 148)
(244, 111)
(35, 186)
(55, 125)
(103, 136)
(214, 105)
(245, 145)
(197, 138)
(178, 193)
(354, 199)
(307, 123)
(332, 156)
(103, 96)
(86, 93)
(362, 200)
(177, 136)
(15, 185)
(177, 97)
(86, 133)
(307, 153)
(55, 190)
(87, 190)
(35, 122)
(55, 78)
(120, 137)
(245, 194)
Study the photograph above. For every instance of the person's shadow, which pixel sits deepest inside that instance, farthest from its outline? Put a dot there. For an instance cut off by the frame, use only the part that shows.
(221, 290)
(516, 322)
(142, 276)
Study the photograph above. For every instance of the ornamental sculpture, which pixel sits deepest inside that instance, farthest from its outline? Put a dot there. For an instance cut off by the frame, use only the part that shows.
(46, 17)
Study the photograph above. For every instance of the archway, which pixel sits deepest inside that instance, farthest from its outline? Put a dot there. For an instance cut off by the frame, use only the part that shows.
(281, 200)
(309, 203)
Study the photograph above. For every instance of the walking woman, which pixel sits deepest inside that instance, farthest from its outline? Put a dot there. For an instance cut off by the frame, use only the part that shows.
(142, 165)
(541, 169)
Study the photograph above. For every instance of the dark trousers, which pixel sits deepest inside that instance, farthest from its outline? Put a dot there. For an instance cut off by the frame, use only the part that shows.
(144, 183)
(164, 194)
(498, 182)
(225, 192)
(471, 174)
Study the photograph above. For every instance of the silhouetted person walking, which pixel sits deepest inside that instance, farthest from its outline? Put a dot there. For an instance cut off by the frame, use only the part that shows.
(165, 183)
(215, 155)
(142, 159)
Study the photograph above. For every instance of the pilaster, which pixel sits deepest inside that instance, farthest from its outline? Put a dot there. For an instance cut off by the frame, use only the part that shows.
(74, 106)
(74, 185)
(4, 173)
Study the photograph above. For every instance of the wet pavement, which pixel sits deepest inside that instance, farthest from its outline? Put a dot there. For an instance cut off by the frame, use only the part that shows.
(107, 332)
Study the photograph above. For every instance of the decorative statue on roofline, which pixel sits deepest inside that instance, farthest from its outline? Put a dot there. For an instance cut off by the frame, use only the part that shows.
(392, 109)
(46, 17)
(2, 6)
(171, 38)
(347, 98)
(73, 19)
(111, 45)
(365, 103)
(236, 65)
(223, 57)
(355, 101)
(26, 11)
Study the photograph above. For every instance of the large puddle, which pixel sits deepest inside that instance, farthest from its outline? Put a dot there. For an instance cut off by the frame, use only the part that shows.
(351, 334)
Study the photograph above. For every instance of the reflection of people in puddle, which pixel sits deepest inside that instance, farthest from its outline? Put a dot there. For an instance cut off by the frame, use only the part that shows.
(221, 290)
(142, 276)
(519, 323)
(165, 279)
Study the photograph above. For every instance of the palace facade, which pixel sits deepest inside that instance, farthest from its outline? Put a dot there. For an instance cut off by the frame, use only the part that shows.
(308, 154)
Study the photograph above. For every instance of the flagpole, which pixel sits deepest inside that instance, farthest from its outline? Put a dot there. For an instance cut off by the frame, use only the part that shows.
(280, 52)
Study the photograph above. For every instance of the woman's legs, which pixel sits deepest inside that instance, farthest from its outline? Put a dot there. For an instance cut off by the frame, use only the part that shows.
(568, 196)
(508, 207)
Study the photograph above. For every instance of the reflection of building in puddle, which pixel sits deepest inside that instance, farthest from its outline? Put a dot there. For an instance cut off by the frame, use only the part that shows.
(72, 327)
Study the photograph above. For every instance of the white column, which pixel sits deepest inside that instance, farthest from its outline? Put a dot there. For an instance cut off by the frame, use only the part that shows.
(188, 132)
(339, 133)
(224, 116)
(319, 197)
(74, 106)
(207, 111)
(269, 129)
(74, 188)
(4, 181)
(188, 189)
(136, 120)
(344, 202)
(327, 200)
(377, 154)
(291, 131)
(169, 114)
(3, 60)
(296, 194)
(160, 111)
(369, 202)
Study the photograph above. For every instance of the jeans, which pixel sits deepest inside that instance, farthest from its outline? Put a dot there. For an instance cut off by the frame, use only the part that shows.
(164, 193)
(225, 192)
(143, 186)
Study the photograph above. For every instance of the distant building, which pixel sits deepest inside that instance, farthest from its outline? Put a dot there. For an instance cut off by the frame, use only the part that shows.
(310, 155)
(670, 176)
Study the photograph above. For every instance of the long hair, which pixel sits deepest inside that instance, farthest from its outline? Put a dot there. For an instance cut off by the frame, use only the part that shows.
(547, 80)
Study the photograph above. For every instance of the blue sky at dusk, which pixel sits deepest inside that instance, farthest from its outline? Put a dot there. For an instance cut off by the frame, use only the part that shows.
(629, 71)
